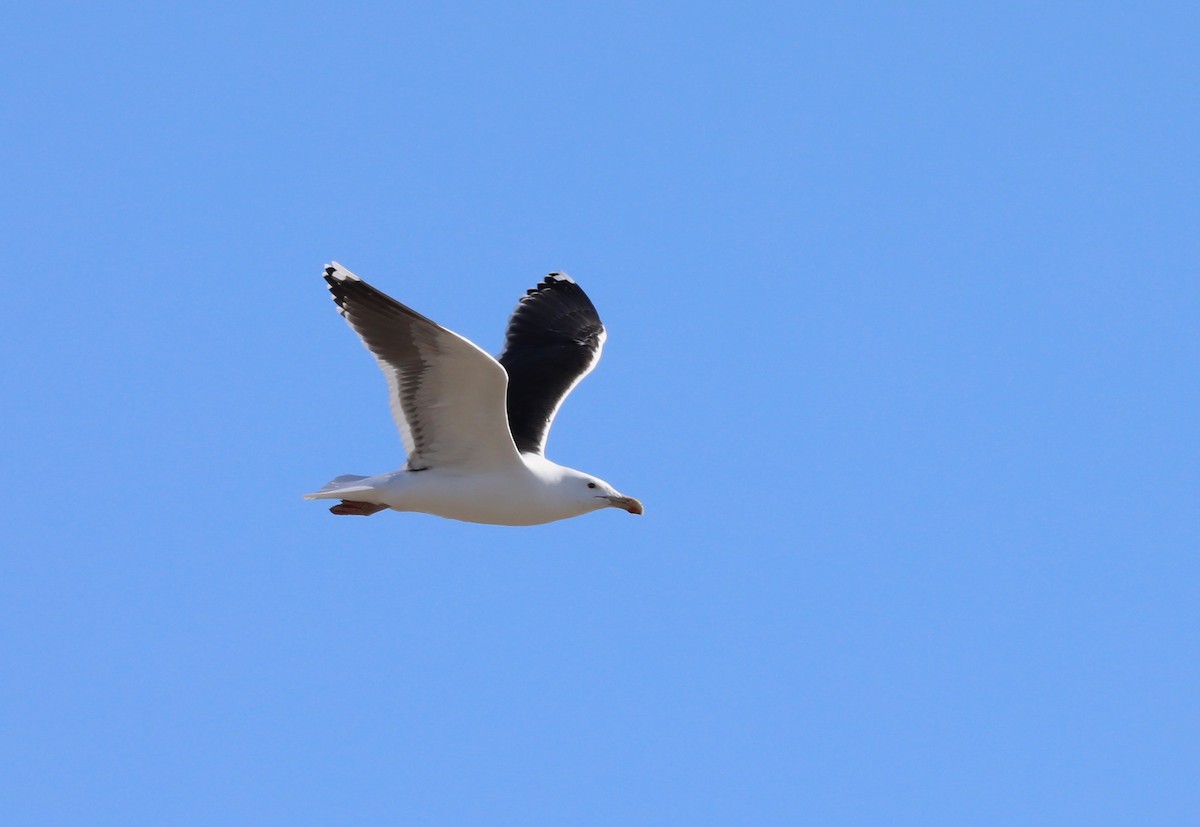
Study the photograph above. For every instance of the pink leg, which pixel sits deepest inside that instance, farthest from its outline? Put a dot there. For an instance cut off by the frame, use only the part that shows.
(357, 508)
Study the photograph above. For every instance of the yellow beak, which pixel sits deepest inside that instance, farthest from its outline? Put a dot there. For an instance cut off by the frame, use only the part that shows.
(626, 503)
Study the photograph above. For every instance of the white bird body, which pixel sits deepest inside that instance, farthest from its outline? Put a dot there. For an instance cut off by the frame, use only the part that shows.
(474, 428)
(538, 491)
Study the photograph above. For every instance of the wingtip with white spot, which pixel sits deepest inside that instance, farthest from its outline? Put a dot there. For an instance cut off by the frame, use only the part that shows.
(333, 270)
(550, 280)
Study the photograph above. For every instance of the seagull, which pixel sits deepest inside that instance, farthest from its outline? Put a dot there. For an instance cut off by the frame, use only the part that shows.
(474, 428)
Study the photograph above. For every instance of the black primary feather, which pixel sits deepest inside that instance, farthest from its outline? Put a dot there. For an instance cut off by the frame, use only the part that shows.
(554, 338)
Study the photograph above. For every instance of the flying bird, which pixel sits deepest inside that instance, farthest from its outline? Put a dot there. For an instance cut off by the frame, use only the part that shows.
(474, 427)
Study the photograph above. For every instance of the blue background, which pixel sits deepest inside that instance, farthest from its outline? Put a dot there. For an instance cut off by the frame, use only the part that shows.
(902, 359)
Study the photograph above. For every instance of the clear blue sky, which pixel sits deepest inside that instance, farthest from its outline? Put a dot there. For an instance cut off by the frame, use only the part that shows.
(902, 304)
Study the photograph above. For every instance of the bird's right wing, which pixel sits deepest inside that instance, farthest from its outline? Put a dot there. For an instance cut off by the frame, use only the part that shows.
(554, 339)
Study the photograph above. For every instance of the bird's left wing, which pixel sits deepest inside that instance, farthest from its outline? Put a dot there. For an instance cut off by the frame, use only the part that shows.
(447, 396)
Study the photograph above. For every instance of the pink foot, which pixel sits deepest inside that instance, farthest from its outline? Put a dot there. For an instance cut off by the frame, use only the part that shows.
(357, 508)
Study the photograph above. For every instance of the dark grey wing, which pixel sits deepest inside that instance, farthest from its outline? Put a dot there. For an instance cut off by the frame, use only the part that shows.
(447, 395)
(554, 339)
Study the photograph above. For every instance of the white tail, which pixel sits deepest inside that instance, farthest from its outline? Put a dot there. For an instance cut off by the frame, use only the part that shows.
(336, 487)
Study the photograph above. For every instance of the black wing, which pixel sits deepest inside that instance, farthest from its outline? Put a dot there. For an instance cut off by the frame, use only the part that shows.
(554, 339)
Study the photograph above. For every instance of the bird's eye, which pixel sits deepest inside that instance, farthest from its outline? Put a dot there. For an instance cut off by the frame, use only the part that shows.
(591, 485)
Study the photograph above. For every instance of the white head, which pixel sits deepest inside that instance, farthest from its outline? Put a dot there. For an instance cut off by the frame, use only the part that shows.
(591, 493)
